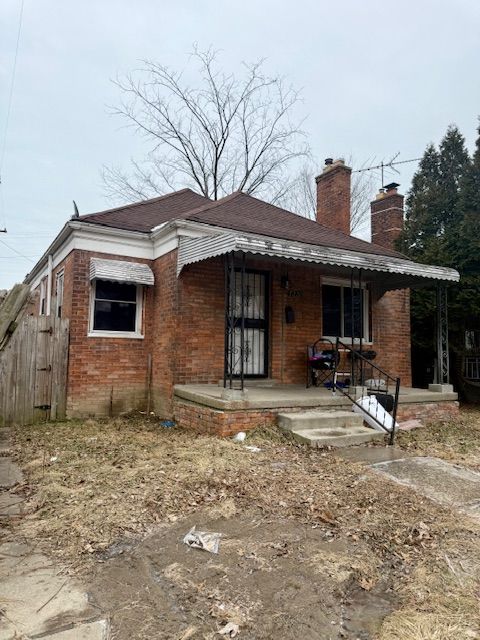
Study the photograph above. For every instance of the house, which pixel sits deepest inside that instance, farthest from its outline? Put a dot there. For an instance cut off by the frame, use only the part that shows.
(189, 307)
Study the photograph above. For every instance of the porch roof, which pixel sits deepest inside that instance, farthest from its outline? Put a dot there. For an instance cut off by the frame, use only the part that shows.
(395, 273)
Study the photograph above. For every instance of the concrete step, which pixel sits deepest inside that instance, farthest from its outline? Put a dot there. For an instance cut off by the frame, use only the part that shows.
(319, 420)
(252, 383)
(340, 437)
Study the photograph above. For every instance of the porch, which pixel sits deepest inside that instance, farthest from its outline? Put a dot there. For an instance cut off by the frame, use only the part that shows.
(212, 409)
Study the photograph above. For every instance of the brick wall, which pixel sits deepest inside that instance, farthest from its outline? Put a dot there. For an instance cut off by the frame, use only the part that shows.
(165, 324)
(200, 338)
(391, 329)
(333, 196)
(105, 375)
(183, 328)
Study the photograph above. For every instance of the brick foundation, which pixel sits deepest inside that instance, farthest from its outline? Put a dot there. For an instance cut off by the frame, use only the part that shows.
(203, 419)
(428, 411)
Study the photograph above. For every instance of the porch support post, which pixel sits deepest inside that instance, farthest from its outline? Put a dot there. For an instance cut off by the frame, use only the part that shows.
(234, 343)
(352, 328)
(360, 303)
(443, 367)
(230, 295)
(242, 320)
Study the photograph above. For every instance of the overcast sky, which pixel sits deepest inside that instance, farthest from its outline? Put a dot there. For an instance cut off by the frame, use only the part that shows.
(377, 77)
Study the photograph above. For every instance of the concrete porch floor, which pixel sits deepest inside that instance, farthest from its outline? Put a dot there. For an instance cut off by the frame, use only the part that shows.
(272, 396)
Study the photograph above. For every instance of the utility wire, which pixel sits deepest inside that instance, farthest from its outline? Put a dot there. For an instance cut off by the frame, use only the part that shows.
(15, 251)
(10, 96)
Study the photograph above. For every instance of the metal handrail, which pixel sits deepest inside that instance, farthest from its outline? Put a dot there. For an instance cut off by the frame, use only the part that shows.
(382, 378)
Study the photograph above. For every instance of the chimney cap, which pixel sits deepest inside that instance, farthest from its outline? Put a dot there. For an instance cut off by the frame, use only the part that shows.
(391, 185)
(328, 161)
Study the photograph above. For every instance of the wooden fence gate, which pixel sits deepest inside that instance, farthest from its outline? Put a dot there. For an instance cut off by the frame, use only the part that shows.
(33, 371)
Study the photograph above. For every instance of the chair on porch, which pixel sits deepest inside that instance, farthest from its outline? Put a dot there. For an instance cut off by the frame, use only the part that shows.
(322, 358)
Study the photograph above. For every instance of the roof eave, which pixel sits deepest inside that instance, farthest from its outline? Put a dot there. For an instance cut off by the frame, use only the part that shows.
(67, 229)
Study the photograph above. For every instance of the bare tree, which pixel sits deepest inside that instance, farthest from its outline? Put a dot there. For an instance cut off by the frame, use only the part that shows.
(226, 134)
(301, 195)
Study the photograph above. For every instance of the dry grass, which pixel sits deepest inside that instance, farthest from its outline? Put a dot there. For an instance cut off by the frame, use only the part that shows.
(456, 440)
(100, 481)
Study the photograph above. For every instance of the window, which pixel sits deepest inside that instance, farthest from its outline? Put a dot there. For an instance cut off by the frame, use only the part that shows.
(59, 293)
(337, 312)
(43, 297)
(116, 309)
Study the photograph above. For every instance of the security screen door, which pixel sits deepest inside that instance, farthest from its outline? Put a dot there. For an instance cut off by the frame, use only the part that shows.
(255, 310)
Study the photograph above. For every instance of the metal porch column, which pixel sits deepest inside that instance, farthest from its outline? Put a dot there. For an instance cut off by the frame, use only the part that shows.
(443, 365)
(234, 354)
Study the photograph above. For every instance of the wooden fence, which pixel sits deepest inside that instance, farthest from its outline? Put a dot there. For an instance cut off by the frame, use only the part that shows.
(33, 371)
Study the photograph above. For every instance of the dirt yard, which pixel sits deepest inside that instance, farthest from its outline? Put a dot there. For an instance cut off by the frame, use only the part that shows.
(312, 546)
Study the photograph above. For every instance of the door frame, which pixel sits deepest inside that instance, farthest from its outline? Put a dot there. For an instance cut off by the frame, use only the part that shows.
(266, 346)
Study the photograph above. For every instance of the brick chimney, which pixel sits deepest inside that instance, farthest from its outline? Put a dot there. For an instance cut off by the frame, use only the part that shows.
(387, 216)
(333, 195)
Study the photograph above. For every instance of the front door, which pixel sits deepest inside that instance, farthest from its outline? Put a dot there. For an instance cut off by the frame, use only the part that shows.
(255, 309)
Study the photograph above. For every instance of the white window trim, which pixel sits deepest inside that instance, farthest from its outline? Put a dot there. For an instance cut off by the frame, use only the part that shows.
(60, 274)
(340, 282)
(43, 297)
(137, 334)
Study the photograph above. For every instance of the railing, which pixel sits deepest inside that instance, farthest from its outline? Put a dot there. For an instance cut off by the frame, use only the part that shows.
(356, 369)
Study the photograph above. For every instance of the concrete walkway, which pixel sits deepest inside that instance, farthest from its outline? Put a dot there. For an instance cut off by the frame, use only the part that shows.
(37, 599)
(447, 484)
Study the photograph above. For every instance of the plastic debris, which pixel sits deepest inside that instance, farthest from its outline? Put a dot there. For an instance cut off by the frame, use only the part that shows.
(203, 540)
(231, 630)
(239, 437)
(168, 424)
(250, 447)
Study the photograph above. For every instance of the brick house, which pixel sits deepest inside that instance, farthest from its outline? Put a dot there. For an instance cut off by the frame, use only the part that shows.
(147, 290)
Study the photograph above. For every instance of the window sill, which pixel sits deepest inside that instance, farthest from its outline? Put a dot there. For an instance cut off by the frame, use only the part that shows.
(348, 341)
(115, 334)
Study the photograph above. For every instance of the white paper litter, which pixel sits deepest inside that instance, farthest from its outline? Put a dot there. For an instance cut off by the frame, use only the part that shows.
(239, 437)
(250, 447)
(203, 540)
(230, 629)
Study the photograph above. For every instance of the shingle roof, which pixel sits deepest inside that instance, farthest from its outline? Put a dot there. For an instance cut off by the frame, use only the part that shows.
(144, 216)
(237, 211)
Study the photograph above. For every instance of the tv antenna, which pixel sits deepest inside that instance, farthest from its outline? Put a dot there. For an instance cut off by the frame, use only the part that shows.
(391, 164)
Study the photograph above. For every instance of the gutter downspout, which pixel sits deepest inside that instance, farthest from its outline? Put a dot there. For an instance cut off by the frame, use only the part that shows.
(49, 285)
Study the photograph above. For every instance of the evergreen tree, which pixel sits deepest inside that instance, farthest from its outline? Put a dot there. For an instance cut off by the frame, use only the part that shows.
(463, 245)
(435, 223)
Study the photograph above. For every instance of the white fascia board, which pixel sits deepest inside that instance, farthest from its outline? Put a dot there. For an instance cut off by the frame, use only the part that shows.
(90, 237)
(198, 229)
(166, 236)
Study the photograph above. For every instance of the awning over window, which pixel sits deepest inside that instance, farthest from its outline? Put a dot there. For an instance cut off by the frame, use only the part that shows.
(121, 271)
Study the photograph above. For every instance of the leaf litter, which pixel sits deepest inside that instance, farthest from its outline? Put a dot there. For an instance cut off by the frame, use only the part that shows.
(115, 482)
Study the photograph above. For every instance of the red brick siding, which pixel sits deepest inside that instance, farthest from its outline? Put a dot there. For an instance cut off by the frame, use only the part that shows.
(105, 375)
(200, 339)
(333, 197)
(226, 423)
(184, 333)
(391, 331)
(428, 411)
(387, 219)
(165, 322)
(201, 322)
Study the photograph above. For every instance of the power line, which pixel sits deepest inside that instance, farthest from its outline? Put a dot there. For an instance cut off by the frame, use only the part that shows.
(15, 251)
(10, 98)
(18, 257)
